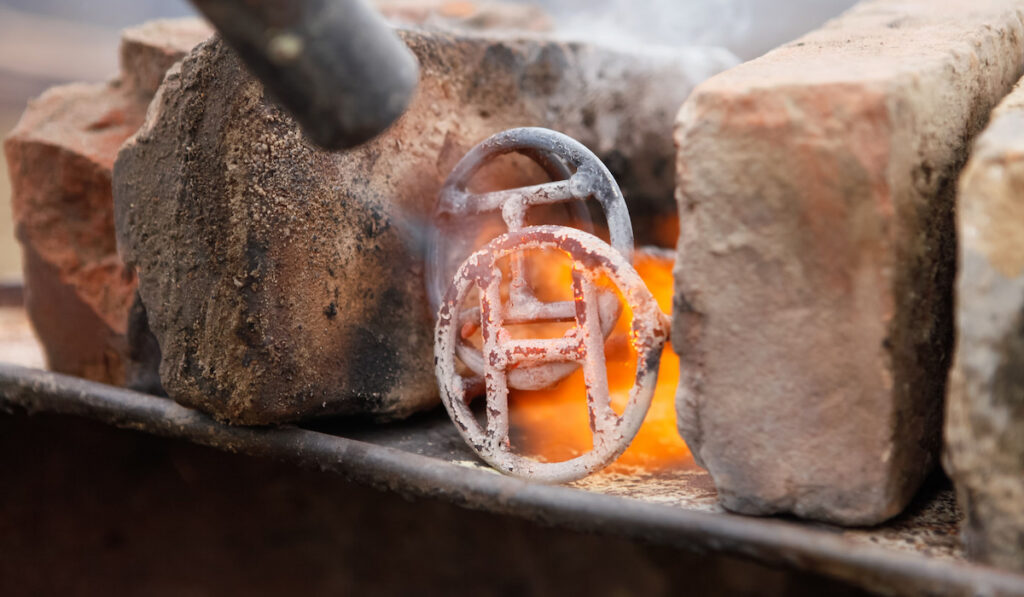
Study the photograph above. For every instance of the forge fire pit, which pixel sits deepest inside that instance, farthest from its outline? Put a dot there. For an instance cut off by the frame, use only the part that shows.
(316, 306)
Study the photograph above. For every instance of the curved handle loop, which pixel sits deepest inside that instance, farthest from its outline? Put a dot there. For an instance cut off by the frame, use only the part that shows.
(577, 174)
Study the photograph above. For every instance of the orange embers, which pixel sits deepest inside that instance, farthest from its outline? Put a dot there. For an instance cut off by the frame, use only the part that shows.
(552, 425)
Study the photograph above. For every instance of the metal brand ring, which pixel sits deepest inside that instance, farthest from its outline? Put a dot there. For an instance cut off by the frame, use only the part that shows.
(582, 344)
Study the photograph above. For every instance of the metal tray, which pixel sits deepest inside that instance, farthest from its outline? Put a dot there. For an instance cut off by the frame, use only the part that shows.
(915, 554)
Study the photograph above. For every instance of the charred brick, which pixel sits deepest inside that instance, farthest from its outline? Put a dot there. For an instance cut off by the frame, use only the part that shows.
(242, 231)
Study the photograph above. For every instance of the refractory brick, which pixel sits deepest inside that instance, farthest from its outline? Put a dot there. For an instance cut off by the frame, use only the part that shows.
(813, 307)
(985, 412)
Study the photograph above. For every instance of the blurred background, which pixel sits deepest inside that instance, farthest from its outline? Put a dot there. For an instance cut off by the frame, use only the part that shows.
(48, 42)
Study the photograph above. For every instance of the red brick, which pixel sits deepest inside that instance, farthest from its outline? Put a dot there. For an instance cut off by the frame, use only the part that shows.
(60, 156)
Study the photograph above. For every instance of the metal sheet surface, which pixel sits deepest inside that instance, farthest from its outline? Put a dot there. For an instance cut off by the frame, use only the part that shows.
(913, 555)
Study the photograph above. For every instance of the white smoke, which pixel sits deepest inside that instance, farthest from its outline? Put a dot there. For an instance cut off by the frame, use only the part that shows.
(748, 28)
(659, 22)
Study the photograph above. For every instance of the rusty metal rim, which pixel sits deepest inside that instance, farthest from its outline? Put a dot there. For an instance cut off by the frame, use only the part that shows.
(770, 541)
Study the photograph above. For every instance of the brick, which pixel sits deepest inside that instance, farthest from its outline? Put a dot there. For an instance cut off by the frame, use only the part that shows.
(985, 411)
(813, 309)
(284, 282)
(149, 49)
(60, 156)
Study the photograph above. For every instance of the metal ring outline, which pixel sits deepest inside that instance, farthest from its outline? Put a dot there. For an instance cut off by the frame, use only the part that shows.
(612, 433)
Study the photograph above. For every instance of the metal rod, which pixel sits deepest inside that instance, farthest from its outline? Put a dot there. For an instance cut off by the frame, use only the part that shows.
(335, 65)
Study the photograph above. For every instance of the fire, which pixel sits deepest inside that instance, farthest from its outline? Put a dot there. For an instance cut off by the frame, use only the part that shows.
(552, 425)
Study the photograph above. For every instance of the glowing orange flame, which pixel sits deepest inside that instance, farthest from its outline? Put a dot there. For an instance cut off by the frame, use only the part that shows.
(552, 424)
